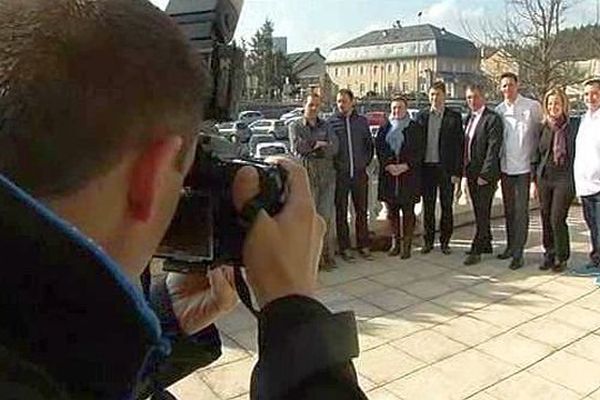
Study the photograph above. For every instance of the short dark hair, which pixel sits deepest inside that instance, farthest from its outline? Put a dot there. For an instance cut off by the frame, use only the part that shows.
(312, 94)
(438, 85)
(510, 75)
(475, 87)
(400, 97)
(592, 82)
(346, 92)
(82, 84)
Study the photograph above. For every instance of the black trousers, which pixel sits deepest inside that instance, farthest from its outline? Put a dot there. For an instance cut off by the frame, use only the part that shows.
(556, 194)
(482, 197)
(515, 197)
(358, 187)
(436, 178)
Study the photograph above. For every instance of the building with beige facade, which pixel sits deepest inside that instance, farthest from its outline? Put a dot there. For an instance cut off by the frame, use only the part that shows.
(403, 59)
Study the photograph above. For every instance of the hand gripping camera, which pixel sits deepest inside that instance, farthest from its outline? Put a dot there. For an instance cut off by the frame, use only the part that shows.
(206, 229)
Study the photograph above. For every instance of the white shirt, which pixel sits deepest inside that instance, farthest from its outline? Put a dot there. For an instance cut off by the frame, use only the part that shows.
(471, 126)
(587, 155)
(522, 123)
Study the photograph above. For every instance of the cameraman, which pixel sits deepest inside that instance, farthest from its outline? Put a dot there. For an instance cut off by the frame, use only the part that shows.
(98, 117)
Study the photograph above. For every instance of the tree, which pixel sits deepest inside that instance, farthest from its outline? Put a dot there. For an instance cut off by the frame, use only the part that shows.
(531, 34)
(270, 68)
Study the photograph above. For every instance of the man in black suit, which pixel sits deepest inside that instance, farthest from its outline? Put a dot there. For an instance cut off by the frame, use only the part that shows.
(442, 165)
(483, 140)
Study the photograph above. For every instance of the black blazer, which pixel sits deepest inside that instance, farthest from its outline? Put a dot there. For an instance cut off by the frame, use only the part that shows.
(451, 142)
(485, 147)
(543, 151)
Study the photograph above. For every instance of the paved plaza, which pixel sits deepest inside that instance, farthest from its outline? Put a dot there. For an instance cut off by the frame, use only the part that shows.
(431, 328)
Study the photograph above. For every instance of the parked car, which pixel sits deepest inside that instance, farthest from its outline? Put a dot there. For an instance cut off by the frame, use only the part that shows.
(296, 112)
(235, 131)
(264, 150)
(258, 138)
(274, 127)
(250, 116)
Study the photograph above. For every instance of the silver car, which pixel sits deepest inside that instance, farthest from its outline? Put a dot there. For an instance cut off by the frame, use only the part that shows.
(273, 127)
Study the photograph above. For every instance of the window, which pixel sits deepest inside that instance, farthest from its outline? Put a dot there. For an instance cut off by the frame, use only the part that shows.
(362, 88)
(336, 72)
(390, 87)
(348, 71)
(404, 68)
(405, 88)
(390, 68)
(375, 70)
(362, 70)
(376, 87)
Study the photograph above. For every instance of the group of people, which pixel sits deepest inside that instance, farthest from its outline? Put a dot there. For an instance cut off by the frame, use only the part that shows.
(520, 143)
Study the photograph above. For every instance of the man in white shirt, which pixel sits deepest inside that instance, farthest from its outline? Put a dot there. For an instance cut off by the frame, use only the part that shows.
(587, 173)
(522, 119)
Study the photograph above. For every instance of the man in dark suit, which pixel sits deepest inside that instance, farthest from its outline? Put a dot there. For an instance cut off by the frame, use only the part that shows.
(442, 164)
(483, 140)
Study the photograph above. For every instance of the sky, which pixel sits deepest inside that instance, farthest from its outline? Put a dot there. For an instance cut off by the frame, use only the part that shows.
(309, 24)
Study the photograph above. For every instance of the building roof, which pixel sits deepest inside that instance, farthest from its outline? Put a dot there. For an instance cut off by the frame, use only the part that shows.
(304, 63)
(446, 43)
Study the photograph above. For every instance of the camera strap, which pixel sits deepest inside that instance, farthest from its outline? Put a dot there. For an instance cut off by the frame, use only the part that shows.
(243, 291)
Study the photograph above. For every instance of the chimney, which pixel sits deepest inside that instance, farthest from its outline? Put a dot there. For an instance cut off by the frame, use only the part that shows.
(317, 50)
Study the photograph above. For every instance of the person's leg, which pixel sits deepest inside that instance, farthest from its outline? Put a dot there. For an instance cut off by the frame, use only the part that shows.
(327, 211)
(446, 201)
(508, 201)
(360, 196)
(394, 220)
(591, 213)
(546, 196)
(342, 188)
(520, 214)
(561, 202)
(408, 227)
(429, 183)
(475, 201)
(486, 196)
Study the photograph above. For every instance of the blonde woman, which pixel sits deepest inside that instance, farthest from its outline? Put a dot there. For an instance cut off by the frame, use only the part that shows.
(553, 167)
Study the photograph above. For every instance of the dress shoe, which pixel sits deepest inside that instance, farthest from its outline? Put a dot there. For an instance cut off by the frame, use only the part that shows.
(427, 248)
(446, 249)
(486, 250)
(395, 248)
(347, 256)
(560, 266)
(505, 255)
(365, 253)
(516, 263)
(472, 259)
(547, 264)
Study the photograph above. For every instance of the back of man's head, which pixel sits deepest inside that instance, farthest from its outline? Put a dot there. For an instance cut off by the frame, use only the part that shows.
(82, 82)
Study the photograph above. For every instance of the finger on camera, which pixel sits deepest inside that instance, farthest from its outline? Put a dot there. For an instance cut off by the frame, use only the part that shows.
(246, 186)
(300, 196)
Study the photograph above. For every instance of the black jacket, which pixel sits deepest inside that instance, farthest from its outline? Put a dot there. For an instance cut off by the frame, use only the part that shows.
(543, 152)
(485, 147)
(355, 149)
(73, 327)
(451, 142)
(303, 138)
(406, 188)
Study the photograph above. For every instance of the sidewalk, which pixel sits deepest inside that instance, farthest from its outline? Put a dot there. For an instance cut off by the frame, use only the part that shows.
(431, 328)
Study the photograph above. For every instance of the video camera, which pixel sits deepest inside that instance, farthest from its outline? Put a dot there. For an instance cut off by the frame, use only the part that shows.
(206, 229)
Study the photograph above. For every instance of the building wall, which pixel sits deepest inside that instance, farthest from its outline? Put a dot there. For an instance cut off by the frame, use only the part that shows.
(388, 76)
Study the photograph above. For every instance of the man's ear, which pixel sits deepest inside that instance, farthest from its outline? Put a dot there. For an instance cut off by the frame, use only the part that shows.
(150, 172)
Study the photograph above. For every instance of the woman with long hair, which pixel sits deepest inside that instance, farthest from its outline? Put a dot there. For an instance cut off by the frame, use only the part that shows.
(553, 167)
(399, 145)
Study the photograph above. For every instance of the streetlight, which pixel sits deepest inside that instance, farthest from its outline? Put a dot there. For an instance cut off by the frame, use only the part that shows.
(417, 69)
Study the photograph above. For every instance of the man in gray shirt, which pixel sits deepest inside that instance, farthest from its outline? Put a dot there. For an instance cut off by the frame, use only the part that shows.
(315, 144)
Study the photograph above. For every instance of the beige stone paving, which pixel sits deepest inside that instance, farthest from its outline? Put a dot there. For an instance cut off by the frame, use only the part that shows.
(431, 328)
